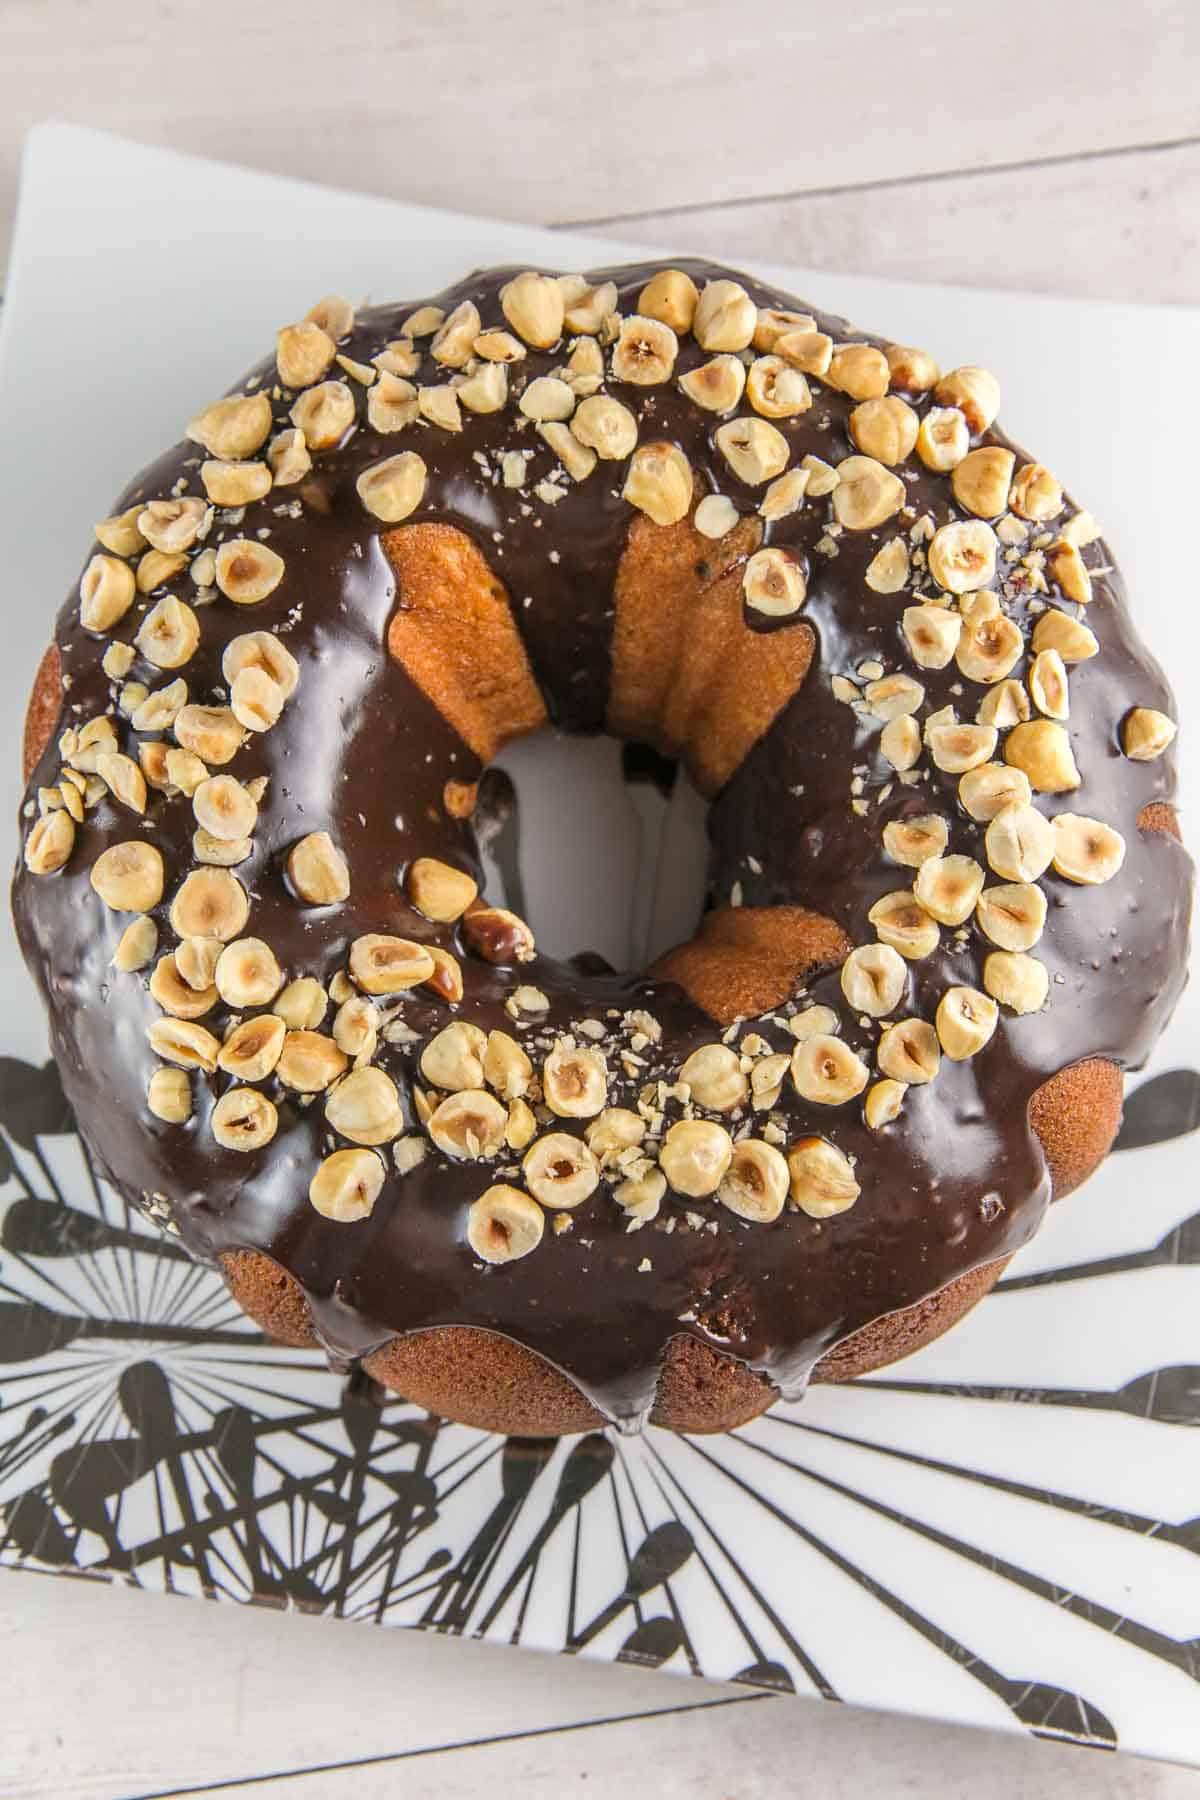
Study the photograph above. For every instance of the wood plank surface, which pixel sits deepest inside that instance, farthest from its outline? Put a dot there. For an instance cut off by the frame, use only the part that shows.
(548, 112)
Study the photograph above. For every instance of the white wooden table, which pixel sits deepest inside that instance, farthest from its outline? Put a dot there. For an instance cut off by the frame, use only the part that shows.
(1055, 148)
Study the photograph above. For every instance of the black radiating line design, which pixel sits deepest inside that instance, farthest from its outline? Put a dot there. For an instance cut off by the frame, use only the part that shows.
(146, 1428)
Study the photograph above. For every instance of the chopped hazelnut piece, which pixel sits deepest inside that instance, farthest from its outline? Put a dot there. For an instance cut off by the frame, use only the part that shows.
(615, 1130)
(169, 634)
(1085, 850)
(913, 370)
(956, 747)
(117, 660)
(873, 979)
(120, 534)
(128, 877)
(309, 1061)
(587, 306)
(438, 890)
(469, 1126)
(695, 1155)
(210, 732)
(334, 314)
(498, 936)
(388, 965)
(784, 495)
(261, 650)
(716, 516)
(422, 323)
(1016, 980)
(365, 1107)
(210, 903)
(356, 1027)
(644, 352)
(606, 427)
(392, 404)
(156, 568)
(1066, 567)
(900, 742)
(948, 887)
(124, 780)
(885, 429)
(883, 1103)
(1005, 704)
(867, 494)
(575, 457)
(776, 390)
(453, 342)
(774, 583)
(991, 644)
(256, 700)
(1019, 843)
(670, 296)
(714, 1075)
(860, 371)
(989, 787)
(1042, 749)
(822, 1179)
(962, 556)
(755, 450)
(1080, 529)
(253, 1048)
(1012, 916)
(900, 921)
(506, 1068)
(177, 996)
(196, 960)
(453, 1058)
(910, 841)
(235, 428)
(533, 306)
(892, 696)
(725, 316)
(106, 593)
(440, 406)
(1145, 733)
(776, 322)
(446, 980)
(235, 483)
(966, 1020)
(974, 391)
(243, 1119)
(574, 1081)
(1048, 685)
(172, 525)
(1057, 630)
(324, 414)
(504, 1224)
(318, 871)
(247, 571)
(185, 1043)
(560, 1171)
(347, 1185)
(49, 845)
(137, 945)
(485, 391)
(908, 1052)
(659, 483)
(943, 439)
(248, 974)
(302, 1004)
(546, 397)
(717, 385)
(982, 479)
(932, 634)
(1035, 494)
(288, 458)
(303, 352)
(809, 351)
(827, 1071)
(756, 1183)
(394, 488)
(222, 853)
(169, 1096)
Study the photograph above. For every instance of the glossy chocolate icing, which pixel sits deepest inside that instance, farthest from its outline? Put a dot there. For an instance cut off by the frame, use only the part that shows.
(957, 1180)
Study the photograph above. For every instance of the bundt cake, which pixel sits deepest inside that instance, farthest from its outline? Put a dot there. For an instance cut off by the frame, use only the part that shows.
(947, 903)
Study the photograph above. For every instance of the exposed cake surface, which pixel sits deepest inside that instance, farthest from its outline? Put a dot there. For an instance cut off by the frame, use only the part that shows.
(679, 506)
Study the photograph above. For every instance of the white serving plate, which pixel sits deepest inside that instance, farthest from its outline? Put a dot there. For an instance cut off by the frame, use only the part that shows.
(1000, 1531)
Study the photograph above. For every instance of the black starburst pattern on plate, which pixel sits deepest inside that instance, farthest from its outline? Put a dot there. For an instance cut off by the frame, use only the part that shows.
(149, 1432)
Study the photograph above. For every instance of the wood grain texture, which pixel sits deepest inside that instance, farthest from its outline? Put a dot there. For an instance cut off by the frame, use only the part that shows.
(1118, 226)
(539, 111)
(174, 1697)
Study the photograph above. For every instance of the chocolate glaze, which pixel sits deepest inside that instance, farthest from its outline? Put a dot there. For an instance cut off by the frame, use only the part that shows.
(958, 1180)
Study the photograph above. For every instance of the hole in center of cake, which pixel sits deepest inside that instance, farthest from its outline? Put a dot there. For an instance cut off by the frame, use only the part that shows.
(600, 845)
